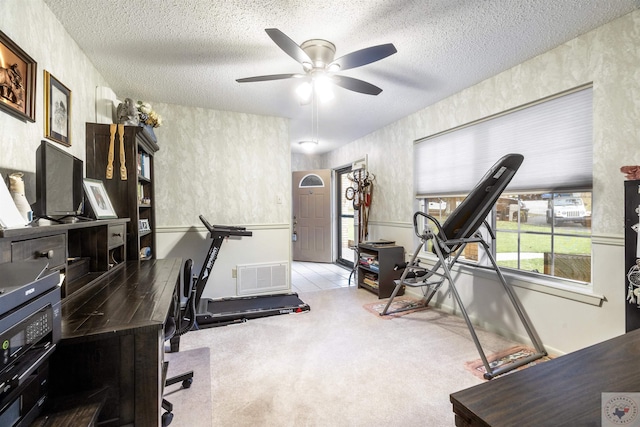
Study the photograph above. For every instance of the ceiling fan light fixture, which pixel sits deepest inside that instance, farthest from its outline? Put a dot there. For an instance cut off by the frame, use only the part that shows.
(323, 88)
(308, 145)
(304, 92)
(317, 57)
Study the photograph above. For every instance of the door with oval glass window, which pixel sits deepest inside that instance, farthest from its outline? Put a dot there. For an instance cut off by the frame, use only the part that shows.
(312, 216)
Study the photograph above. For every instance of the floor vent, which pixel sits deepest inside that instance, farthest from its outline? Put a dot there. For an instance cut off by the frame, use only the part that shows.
(262, 278)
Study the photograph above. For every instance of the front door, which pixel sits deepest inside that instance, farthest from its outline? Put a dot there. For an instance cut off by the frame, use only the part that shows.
(312, 216)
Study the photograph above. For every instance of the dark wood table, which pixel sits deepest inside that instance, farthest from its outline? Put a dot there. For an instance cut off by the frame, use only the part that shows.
(563, 391)
(113, 341)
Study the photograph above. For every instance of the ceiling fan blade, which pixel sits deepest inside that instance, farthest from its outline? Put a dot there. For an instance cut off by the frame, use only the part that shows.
(270, 77)
(290, 47)
(356, 85)
(364, 56)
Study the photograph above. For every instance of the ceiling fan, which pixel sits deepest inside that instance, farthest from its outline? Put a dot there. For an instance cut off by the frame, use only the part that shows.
(317, 59)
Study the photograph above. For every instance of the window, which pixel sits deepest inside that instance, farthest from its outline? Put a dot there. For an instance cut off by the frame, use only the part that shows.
(543, 219)
(311, 180)
(345, 218)
(542, 233)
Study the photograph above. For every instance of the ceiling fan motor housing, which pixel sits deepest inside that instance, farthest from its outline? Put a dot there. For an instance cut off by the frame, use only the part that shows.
(321, 52)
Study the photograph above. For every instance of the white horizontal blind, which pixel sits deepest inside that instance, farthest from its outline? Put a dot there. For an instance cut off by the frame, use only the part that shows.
(555, 137)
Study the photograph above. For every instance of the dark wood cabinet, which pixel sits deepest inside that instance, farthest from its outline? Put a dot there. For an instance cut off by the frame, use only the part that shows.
(113, 342)
(132, 197)
(83, 251)
(376, 268)
(565, 391)
(110, 359)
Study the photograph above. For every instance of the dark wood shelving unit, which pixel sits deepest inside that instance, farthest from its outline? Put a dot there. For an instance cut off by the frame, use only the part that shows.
(379, 276)
(133, 197)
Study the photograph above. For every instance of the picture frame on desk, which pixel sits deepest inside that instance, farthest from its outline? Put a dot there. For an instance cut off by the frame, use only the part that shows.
(98, 199)
(17, 81)
(57, 110)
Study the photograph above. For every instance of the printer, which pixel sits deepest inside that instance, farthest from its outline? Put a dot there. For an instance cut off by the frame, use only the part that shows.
(30, 328)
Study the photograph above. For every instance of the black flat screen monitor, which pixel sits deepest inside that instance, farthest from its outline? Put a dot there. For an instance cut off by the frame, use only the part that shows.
(59, 191)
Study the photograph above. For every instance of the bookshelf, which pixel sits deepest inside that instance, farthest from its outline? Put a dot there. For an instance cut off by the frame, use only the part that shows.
(132, 197)
(376, 267)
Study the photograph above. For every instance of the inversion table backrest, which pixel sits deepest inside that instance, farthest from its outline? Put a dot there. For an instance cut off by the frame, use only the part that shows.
(465, 220)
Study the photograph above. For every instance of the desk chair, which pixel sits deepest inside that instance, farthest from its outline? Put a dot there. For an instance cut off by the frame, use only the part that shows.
(175, 326)
(448, 242)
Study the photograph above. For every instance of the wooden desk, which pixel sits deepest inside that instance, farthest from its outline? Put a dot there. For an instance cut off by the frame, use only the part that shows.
(562, 391)
(113, 340)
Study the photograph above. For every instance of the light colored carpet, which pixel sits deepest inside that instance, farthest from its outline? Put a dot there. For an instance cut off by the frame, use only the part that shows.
(191, 406)
(338, 365)
(399, 307)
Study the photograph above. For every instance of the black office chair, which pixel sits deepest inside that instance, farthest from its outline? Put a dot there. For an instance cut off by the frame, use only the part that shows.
(179, 323)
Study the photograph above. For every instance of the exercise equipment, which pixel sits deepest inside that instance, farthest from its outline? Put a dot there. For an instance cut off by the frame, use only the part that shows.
(210, 312)
(448, 242)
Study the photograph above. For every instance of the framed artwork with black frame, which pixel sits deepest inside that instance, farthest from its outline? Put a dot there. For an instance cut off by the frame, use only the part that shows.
(57, 110)
(98, 199)
(17, 81)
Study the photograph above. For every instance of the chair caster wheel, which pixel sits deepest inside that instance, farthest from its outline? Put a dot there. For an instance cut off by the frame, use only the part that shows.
(187, 383)
(167, 417)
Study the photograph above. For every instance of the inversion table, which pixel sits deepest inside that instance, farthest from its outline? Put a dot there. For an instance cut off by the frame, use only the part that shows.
(449, 240)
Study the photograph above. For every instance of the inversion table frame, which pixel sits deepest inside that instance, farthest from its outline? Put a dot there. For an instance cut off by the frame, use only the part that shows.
(460, 229)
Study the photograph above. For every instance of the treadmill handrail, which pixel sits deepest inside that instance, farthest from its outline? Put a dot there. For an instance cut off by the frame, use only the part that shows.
(225, 230)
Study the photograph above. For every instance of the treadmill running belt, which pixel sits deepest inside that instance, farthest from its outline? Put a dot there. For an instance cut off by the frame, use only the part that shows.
(232, 310)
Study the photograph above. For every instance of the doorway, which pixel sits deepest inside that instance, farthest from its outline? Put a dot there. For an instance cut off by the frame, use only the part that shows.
(312, 216)
(345, 218)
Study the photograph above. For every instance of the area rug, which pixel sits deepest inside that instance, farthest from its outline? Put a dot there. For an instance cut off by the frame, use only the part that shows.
(476, 367)
(408, 304)
(191, 406)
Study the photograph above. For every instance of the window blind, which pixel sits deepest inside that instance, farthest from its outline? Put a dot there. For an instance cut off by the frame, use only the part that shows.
(555, 137)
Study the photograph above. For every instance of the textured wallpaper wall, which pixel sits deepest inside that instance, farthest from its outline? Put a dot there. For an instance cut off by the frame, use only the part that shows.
(33, 27)
(230, 167)
(608, 56)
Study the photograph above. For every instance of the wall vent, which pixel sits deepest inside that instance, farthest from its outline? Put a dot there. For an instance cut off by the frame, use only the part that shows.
(256, 279)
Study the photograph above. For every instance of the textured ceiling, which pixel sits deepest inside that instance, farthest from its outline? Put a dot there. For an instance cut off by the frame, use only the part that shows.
(190, 52)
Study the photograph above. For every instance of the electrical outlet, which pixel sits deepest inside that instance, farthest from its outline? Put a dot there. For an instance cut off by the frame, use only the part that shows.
(279, 199)
(234, 273)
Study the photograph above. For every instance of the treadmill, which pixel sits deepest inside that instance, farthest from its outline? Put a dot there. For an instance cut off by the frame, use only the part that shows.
(220, 312)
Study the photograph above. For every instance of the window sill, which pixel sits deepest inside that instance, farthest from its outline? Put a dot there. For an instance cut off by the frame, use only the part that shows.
(550, 286)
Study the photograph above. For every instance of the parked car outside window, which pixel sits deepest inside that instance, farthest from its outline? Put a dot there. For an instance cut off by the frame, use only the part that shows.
(566, 209)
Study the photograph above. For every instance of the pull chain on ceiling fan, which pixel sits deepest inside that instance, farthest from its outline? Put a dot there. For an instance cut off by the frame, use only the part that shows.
(317, 59)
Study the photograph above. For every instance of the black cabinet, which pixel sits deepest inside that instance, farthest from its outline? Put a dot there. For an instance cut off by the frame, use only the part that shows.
(631, 255)
(376, 265)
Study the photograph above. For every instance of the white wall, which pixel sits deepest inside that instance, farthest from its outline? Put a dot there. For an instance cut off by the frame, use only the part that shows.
(305, 162)
(232, 168)
(608, 57)
(36, 30)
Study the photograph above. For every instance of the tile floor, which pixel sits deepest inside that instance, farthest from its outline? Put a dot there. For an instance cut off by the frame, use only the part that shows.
(313, 276)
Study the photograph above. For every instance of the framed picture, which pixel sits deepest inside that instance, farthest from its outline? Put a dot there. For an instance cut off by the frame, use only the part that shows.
(17, 81)
(99, 199)
(57, 110)
(143, 225)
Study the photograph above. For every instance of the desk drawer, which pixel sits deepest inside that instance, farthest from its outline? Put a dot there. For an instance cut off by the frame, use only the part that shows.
(52, 247)
(116, 235)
